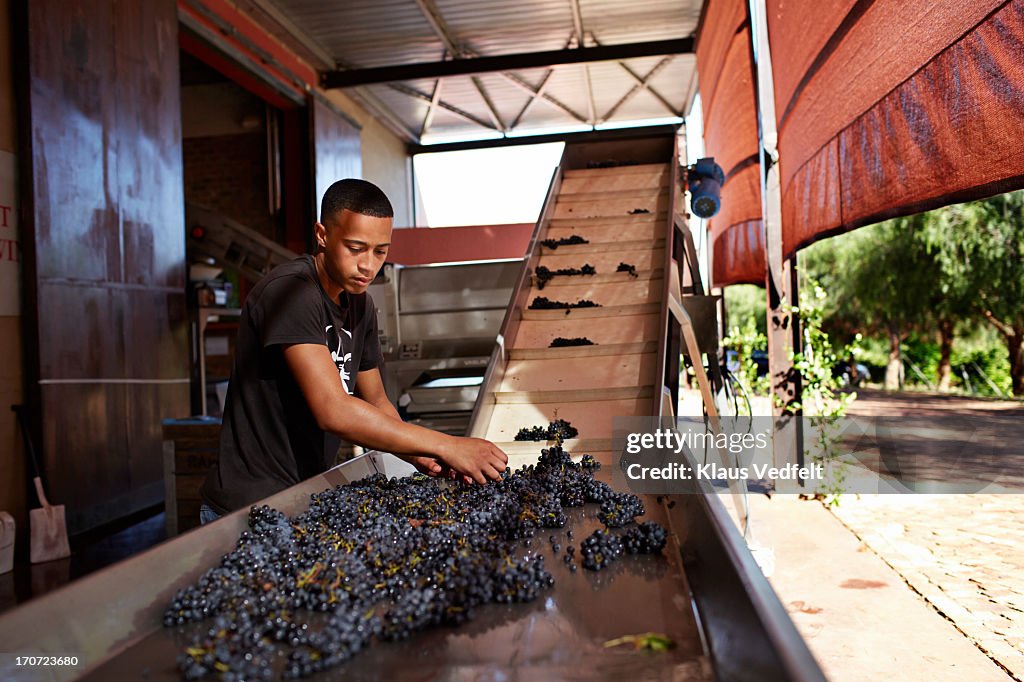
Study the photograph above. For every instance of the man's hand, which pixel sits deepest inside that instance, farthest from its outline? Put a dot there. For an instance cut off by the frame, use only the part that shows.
(475, 458)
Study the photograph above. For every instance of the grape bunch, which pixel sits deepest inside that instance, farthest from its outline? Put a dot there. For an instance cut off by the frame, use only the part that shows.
(619, 509)
(644, 538)
(599, 549)
(627, 267)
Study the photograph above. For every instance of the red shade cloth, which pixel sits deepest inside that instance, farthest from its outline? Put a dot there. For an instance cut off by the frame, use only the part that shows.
(891, 107)
(728, 99)
(745, 264)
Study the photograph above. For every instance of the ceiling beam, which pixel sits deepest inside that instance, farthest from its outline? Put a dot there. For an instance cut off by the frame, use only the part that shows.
(510, 62)
(461, 113)
(519, 140)
(645, 82)
(642, 85)
(577, 23)
(440, 28)
(435, 99)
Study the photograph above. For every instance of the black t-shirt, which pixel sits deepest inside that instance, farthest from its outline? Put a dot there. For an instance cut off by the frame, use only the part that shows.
(270, 440)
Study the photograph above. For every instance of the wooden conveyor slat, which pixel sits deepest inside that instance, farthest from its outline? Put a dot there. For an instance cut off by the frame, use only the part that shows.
(573, 395)
(588, 416)
(637, 169)
(638, 219)
(597, 350)
(623, 293)
(561, 281)
(590, 313)
(612, 232)
(586, 373)
(606, 262)
(537, 333)
(602, 247)
(630, 195)
(614, 207)
(583, 184)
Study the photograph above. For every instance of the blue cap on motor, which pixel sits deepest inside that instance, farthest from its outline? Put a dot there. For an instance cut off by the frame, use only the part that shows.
(705, 179)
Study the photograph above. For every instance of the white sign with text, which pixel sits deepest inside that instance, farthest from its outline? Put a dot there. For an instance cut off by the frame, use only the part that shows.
(10, 247)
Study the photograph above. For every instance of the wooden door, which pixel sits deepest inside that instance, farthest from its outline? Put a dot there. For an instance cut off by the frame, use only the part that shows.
(104, 247)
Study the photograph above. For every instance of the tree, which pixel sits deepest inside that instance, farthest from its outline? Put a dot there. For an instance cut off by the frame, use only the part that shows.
(880, 279)
(980, 247)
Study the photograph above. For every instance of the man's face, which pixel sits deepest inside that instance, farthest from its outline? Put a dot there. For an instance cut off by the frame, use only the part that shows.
(355, 246)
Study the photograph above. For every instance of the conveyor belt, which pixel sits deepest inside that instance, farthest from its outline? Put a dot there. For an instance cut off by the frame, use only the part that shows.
(622, 213)
(559, 636)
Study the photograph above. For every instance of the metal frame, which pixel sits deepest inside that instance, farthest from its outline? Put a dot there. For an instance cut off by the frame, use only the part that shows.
(744, 623)
(784, 336)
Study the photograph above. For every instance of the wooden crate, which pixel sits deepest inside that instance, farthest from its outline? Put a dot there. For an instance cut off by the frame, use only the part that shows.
(190, 450)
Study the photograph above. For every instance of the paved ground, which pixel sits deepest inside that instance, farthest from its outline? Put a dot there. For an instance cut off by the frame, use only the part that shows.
(912, 587)
(856, 613)
(963, 554)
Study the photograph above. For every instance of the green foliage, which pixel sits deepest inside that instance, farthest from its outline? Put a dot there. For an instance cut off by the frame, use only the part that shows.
(922, 351)
(746, 304)
(910, 277)
(980, 247)
(982, 350)
(824, 400)
(745, 341)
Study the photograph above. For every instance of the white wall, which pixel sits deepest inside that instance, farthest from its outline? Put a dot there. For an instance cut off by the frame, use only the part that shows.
(385, 161)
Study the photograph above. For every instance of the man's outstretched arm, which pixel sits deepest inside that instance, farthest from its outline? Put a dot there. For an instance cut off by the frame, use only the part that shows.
(359, 421)
(370, 387)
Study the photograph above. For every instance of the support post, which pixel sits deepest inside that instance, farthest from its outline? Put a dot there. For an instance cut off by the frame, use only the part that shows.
(781, 280)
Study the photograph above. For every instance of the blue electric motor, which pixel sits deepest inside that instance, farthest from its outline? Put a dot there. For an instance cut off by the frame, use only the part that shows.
(705, 179)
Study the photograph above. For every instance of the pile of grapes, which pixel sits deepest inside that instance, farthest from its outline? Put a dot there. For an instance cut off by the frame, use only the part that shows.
(544, 275)
(627, 267)
(558, 430)
(379, 559)
(562, 342)
(564, 241)
(544, 303)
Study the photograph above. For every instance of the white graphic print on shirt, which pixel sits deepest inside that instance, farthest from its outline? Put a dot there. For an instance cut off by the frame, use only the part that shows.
(342, 360)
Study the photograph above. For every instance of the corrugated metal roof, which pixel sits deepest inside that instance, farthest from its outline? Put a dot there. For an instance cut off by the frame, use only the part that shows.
(373, 33)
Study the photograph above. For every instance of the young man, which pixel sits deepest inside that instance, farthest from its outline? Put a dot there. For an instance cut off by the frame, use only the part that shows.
(306, 369)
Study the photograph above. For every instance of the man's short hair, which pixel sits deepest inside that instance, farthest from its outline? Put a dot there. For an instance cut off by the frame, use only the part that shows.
(358, 196)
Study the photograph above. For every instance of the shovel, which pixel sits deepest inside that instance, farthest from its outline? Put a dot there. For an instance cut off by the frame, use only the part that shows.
(48, 532)
(6, 542)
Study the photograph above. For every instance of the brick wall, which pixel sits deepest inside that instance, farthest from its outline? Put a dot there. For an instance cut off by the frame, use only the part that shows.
(228, 173)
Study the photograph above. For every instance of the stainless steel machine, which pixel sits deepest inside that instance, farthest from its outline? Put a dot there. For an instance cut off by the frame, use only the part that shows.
(438, 324)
